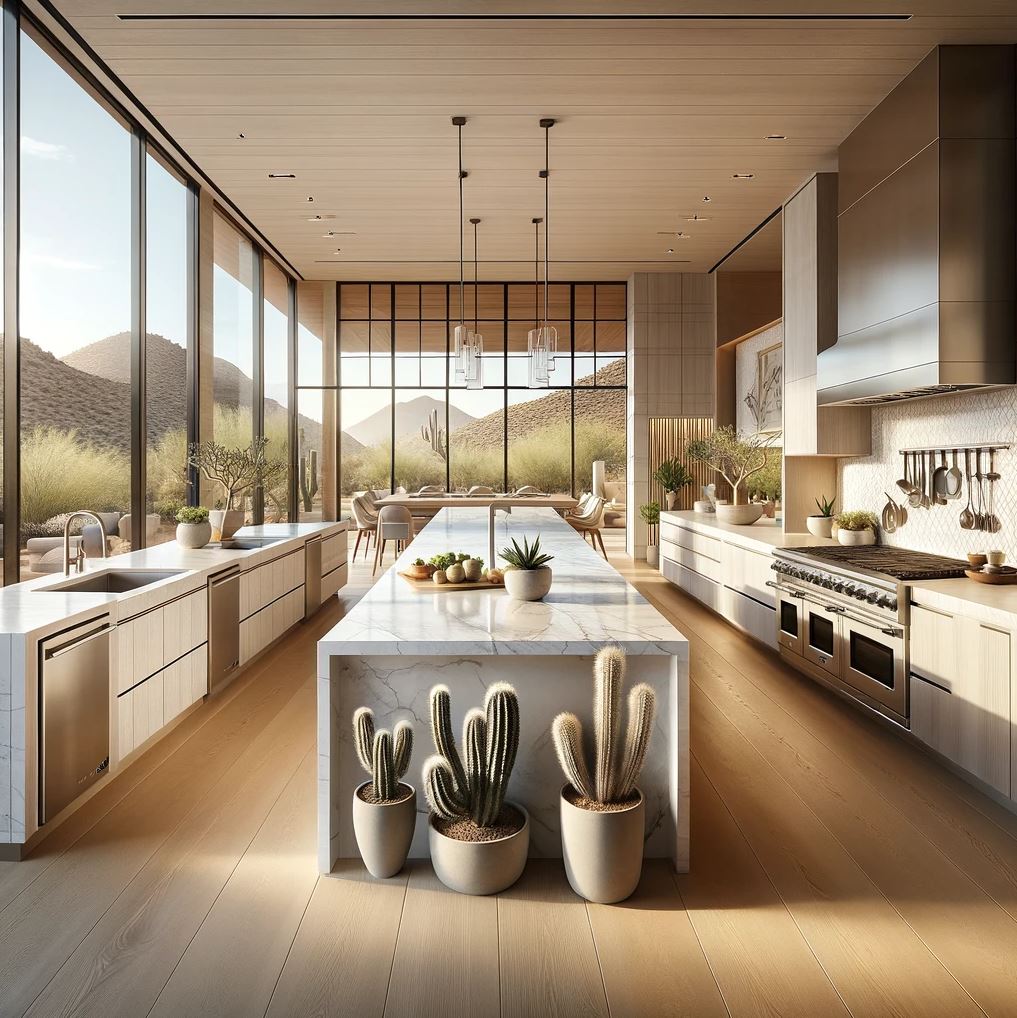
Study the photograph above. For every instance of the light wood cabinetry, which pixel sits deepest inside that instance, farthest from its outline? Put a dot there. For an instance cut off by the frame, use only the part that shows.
(334, 564)
(266, 626)
(262, 585)
(961, 678)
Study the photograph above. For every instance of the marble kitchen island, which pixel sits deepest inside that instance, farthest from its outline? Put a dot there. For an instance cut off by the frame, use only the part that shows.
(398, 642)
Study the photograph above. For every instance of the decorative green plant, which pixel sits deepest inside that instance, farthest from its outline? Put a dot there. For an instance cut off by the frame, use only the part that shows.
(734, 457)
(672, 475)
(434, 435)
(477, 789)
(766, 484)
(618, 758)
(235, 470)
(856, 519)
(308, 473)
(650, 512)
(529, 556)
(383, 754)
(192, 514)
(825, 506)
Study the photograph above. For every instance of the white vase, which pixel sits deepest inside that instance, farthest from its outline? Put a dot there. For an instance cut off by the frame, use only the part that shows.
(384, 831)
(741, 515)
(652, 555)
(856, 537)
(820, 526)
(603, 851)
(479, 867)
(671, 500)
(194, 535)
(225, 523)
(528, 584)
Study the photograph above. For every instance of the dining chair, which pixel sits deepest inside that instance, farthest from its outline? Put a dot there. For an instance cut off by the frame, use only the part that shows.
(590, 522)
(395, 523)
(480, 489)
(581, 505)
(528, 489)
(366, 520)
(431, 489)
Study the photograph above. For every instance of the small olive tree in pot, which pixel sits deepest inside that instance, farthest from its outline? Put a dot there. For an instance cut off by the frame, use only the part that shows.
(736, 458)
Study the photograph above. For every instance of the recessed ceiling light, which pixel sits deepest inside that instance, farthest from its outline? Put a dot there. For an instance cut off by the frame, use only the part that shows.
(241, 136)
(670, 250)
(321, 217)
(282, 176)
(310, 197)
(696, 219)
(776, 137)
(742, 176)
(706, 198)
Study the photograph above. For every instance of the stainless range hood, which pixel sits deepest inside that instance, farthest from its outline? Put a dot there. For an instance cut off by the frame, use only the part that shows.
(926, 225)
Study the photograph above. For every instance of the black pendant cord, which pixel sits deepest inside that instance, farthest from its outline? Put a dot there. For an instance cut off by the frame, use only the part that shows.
(462, 253)
(476, 280)
(547, 208)
(536, 273)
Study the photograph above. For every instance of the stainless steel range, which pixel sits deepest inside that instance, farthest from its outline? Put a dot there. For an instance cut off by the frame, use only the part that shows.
(843, 618)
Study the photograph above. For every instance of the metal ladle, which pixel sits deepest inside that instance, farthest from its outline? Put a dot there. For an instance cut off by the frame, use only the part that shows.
(967, 517)
(992, 523)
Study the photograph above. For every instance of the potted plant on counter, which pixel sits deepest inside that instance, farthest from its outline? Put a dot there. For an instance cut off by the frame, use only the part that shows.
(528, 576)
(650, 513)
(384, 808)
(672, 476)
(821, 525)
(856, 527)
(235, 471)
(193, 528)
(603, 816)
(478, 840)
(736, 459)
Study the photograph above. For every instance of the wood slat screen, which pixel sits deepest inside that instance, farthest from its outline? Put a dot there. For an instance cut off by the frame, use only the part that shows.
(668, 437)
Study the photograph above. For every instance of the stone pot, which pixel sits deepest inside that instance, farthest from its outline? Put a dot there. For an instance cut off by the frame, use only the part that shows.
(820, 526)
(670, 499)
(652, 555)
(384, 831)
(603, 852)
(855, 537)
(194, 535)
(225, 523)
(479, 867)
(742, 515)
(528, 584)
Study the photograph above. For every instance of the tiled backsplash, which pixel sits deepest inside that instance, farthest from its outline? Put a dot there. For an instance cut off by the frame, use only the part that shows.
(950, 421)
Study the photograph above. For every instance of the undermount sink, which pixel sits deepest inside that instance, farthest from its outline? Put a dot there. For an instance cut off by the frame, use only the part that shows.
(250, 543)
(112, 581)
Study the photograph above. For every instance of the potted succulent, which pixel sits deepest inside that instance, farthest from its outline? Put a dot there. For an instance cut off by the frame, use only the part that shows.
(736, 459)
(527, 576)
(384, 808)
(856, 527)
(821, 525)
(650, 512)
(193, 528)
(235, 471)
(672, 476)
(603, 816)
(478, 840)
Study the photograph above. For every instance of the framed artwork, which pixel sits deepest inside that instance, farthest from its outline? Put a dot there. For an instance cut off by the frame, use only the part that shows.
(765, 399)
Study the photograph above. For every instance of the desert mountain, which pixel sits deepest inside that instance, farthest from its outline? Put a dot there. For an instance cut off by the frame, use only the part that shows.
(410, 415)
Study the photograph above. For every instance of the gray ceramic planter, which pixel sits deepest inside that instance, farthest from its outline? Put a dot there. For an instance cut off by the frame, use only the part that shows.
(528, 584)
(603, 852)
(384, 831)
(194, 535)
(480, 867)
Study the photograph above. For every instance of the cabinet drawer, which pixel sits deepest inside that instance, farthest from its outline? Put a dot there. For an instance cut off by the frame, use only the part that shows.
(702, 564)
(748, 572)
(266, 583)
(140, 649)
(333, 581)
(754, 618)
(185, 681)
(699, 586)
(690, 540)
(333, 553)
(185, 624)
(139, 714)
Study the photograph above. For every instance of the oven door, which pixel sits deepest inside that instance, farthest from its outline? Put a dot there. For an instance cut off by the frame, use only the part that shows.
(873, 661)
(822, 638)
(789, 617)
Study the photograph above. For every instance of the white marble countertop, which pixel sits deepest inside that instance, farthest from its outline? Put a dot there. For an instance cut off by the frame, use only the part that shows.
(764, 533)
(589, 604)
(30, 607)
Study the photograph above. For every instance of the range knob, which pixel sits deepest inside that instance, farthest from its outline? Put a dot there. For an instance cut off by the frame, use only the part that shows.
(872, 597)
(887, 602)
(838, 587)
(849, 589)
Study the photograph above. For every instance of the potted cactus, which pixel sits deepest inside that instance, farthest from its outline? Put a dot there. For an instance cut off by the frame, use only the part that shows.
(478, 840)
(603, 815)
(384, 808)
(527, 576)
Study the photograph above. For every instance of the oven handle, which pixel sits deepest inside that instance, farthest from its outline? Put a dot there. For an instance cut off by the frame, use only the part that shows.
(835, 609)
(790, 591)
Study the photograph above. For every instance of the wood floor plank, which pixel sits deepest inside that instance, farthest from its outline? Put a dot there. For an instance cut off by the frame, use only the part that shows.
(548, 958)
(859, 938)
(341, 958)
(233, 962)
(446, 959)
(652, 961)
(122, 965)
(762, 963)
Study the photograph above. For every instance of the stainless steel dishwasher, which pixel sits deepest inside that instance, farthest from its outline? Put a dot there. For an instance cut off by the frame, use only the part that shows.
(223, 627)
(73, 714)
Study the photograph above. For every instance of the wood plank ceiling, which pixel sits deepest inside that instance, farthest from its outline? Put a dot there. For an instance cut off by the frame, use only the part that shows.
(654, 117)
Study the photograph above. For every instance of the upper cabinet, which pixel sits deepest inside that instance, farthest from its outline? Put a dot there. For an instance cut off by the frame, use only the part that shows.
(810, 325)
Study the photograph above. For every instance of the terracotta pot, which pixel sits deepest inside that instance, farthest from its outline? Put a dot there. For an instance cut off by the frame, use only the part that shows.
(528, 584)
(384, 831)
(225, 523)
(603, 852)
(652, 555)
(420, 572)
(194, 535)
(855, 537)
(820, 526)
(479, 867)
(742, 515)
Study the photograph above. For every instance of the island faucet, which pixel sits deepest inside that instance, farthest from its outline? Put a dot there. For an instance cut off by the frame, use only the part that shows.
(491, 510)
(79, 559)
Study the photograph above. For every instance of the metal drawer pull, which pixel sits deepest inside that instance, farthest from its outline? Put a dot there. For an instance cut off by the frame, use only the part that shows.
(835, 609)
(74, 644)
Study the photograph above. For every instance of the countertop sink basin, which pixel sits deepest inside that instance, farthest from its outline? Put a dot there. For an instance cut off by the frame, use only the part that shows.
(250, 543)
(112, 581)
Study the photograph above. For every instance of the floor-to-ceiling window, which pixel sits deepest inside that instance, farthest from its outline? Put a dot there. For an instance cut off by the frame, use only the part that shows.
(276, 375)
(75, 309)
(407, 421)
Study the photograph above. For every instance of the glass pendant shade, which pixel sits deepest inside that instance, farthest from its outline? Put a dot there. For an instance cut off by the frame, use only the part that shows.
(462, 337)
(537, 359)
(474, 364)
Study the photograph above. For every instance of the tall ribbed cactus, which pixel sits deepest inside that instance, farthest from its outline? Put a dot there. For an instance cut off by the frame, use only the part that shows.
(616, 767)
(490, 742)
(434, 434)
(384, 755)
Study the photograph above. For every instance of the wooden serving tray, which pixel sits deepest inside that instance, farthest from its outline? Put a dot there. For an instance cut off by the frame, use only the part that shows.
(1010, 576)
(429, 585)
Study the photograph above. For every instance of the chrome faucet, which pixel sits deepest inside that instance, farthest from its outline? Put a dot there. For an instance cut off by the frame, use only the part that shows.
(491, 510)
(79, 559)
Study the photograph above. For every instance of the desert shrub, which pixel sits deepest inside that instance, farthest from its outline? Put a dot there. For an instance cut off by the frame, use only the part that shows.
(61, 472)
(167, 473)
(597, 441)
(476, 465)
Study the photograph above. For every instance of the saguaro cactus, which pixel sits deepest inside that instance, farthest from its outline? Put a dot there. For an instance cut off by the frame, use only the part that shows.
(616, 766)
(490, 743)
(434, 434)
(383, 754)
(309, 478)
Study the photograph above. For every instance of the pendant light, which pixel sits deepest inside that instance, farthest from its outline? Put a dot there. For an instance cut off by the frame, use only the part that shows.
(474, 368)
(536, 362)
(461, 335)
(547, 338)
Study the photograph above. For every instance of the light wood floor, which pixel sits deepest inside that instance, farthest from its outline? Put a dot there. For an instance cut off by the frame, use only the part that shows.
(835, 870)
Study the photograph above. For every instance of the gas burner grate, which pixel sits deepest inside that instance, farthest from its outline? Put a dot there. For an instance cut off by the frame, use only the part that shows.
(899, 563)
